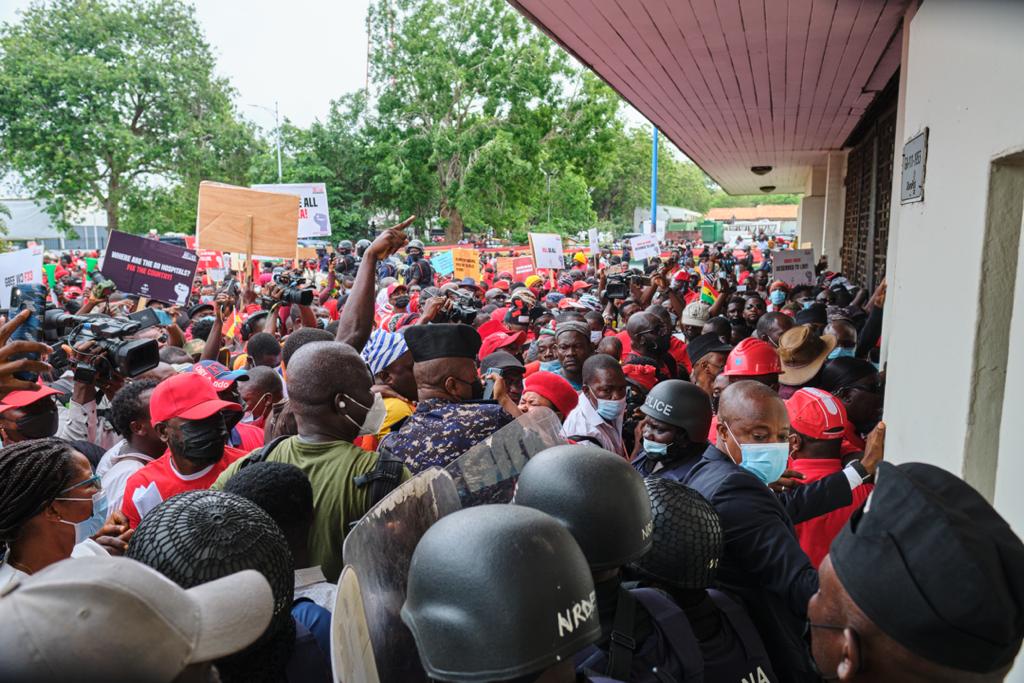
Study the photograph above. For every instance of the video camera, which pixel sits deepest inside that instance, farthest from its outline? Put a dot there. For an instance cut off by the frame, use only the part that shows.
(291, 293)
(112, 352)
(462, 307)
(617, 286)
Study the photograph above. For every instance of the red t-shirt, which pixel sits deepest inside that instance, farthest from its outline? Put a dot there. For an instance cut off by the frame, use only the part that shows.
(815, 535)
(164, 477)
(251, 436)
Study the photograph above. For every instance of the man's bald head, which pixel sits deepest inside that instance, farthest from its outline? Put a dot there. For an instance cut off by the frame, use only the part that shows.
(640, 323)
(319, 371)
(749, 401)
(262, 380)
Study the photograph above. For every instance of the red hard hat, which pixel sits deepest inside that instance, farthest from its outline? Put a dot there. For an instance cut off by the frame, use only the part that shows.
(752, 357)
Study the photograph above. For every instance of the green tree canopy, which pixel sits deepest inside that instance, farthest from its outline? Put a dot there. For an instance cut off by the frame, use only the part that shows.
(117, 104)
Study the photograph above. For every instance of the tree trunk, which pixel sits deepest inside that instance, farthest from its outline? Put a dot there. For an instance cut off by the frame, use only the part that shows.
(453, 231)
(112, 217)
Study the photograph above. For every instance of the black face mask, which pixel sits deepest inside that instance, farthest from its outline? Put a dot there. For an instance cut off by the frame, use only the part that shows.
(231, 418)
(415, 257)
(402, 302)
(38, 425)
(478, 389)
(202, 441)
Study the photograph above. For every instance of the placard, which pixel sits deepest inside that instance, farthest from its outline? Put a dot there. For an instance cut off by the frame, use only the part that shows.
(226, 212)
(149, 268)
(314, 218)
(595, 249)
(22, 267)
(466, 263)
(794, 267)
(547, 250)
(519, 267)
(644, 247)
(443, 262)
(210, 260)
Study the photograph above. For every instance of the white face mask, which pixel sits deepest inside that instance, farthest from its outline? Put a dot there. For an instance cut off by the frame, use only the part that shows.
(375, 415)
(595, 336)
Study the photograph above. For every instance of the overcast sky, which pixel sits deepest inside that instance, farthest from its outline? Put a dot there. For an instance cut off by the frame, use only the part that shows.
(300, 53)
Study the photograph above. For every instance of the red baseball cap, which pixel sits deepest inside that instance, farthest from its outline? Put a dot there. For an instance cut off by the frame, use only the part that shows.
(554, 388)
(581, 284)
(642, 375)
(500, 284)
(188, 396)
(20, 399)
(499, 340)
(490, 327)
(817, 414)
(752, 357)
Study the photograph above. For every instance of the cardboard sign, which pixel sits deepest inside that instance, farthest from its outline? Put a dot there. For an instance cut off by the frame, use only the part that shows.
(547, 250)
(227, 212)
(594, 248)
(443, 262)
(314, 218)
(504, 264)
(149, 268)
(466, 263)
(794, 267)
(22, 267)
(644, 247)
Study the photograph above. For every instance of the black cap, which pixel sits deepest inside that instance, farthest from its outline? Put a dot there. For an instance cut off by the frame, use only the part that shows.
(705, 344)
(503, 360)
(198, 307)
(936, 568)
(429, 342)
(815, 313)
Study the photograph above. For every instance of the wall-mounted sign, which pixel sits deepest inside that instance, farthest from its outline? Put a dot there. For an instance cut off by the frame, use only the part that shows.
(915, 157)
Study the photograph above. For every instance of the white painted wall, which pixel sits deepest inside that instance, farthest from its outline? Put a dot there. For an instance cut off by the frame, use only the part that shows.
(964, 81)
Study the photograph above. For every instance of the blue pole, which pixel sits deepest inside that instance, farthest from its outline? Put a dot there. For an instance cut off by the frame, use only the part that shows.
(654, 180)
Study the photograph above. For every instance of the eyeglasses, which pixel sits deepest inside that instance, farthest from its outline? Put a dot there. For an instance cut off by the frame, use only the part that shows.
(94, 479)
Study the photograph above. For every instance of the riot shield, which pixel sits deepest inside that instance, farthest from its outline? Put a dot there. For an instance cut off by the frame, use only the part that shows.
(351, 650)
(488, 471)
(379, 548)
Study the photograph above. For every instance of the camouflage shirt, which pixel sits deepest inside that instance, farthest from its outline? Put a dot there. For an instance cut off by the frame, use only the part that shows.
(440, 431)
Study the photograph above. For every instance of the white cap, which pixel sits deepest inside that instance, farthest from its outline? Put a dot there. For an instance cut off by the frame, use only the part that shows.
(111, 618)
(696, 313)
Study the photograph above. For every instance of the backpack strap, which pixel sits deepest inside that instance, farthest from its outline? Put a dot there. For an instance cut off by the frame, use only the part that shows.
(384, 478)
(263, 453)
(621, 642)
(741, 624)
(675, 627)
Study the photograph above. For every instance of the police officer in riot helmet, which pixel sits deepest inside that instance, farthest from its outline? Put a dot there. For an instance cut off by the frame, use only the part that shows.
(420, 271)
(345, 247)
(682, 561)
(361, 247)
(675, 428)
(602, 501)
(344, 261)
(520, 615)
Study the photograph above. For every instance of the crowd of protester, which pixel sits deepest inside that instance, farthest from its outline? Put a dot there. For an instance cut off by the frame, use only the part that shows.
(719, 506)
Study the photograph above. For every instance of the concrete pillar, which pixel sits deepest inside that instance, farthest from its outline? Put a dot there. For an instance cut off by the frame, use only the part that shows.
(835, 201)
(811, 216)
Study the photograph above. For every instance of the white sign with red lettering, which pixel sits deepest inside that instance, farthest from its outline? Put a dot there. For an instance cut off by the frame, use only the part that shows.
(547, 250)
(314, 218)
(794, 266)
(644, 247)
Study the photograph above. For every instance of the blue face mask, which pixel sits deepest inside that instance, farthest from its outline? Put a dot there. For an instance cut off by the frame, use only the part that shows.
(611, 410)
(808, 304)
(88, 527)
(778, 297)
(654, 449)
(841, 352)
(766, 461)
(554, 366)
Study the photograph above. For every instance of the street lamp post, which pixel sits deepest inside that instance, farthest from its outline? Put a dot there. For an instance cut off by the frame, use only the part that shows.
(277, 133)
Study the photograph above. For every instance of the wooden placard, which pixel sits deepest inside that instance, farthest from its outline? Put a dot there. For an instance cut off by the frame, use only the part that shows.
(226, 212)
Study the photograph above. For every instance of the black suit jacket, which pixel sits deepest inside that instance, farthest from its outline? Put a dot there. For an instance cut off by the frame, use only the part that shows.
(762, 562)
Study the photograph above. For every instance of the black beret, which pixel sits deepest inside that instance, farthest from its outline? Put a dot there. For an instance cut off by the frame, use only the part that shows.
(429, 342)
(815, 313)
(705, 344)
(198, 307)
(936, 568)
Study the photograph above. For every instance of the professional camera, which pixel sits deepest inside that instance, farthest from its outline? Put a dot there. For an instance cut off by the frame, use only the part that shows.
(291, 293)
(462, 307)
(112, 353)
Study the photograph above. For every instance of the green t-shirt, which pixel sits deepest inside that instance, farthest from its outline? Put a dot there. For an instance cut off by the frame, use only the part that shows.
(337, 501)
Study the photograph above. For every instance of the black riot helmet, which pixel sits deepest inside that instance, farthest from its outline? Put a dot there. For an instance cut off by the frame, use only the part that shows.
(345, 246)
(497, 592)
(681, 404)
(595, 494)
(687, 538)
(361, 247)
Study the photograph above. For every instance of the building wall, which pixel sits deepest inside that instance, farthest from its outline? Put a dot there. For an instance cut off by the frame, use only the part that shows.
(962, 82)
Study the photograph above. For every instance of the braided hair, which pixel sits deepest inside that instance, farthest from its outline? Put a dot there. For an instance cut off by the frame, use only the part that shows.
(32, 474)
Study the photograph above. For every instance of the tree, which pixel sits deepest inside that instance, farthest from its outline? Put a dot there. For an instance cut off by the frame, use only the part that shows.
(116, 104)
(721, 199)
